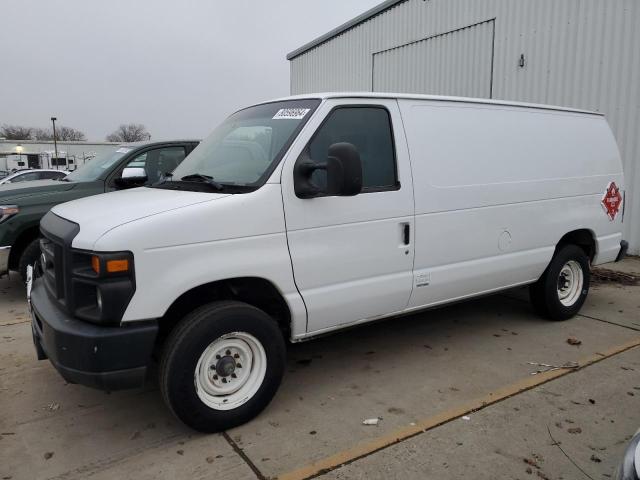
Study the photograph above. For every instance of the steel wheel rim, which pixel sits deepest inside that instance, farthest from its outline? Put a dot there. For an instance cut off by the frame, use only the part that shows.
(220, 385)
(570, 283)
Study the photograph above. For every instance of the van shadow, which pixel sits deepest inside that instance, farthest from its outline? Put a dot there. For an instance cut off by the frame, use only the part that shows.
(463, 347)
(433, 329)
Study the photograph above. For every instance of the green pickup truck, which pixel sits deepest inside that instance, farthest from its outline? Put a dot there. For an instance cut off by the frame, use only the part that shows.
(22, 205)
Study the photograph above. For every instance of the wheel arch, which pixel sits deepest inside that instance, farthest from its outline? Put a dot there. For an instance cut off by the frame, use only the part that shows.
(256, 291)
(25, 237)
(583, 238)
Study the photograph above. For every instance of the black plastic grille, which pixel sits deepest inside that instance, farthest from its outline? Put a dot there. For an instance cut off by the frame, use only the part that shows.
(52, 264)
(55, 262)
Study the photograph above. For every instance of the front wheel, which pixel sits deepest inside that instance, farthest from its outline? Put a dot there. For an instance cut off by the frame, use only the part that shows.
(222, 365)
(563, 287)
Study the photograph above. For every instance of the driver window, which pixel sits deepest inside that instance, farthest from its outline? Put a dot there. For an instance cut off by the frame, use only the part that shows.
(369, 130)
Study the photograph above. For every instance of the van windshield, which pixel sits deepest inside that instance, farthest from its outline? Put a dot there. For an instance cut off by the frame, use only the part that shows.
(94, 168)
(247, 146)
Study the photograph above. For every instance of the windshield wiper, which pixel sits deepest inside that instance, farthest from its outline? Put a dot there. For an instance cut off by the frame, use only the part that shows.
(198, 177)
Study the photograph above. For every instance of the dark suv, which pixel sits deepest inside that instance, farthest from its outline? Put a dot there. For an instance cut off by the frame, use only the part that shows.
(22, 205)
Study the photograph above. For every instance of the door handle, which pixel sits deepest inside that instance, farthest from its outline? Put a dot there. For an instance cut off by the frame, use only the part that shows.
(406, 233)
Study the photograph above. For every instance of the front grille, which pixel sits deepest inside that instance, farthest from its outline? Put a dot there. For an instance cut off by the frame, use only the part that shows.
(52, 264)
(56, 260)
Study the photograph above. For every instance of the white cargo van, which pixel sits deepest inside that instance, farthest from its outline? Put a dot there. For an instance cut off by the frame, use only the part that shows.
(309, 214)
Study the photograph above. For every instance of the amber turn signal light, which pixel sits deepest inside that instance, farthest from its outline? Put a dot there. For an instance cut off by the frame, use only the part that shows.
(115, 266)
(95, 264)
(111, 266)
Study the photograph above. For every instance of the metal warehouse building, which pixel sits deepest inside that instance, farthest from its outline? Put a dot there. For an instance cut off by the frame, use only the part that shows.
(576, 53)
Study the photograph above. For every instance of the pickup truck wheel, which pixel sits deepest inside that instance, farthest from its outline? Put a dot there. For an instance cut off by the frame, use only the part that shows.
(222, 365)
(562, 289)
(29, 256)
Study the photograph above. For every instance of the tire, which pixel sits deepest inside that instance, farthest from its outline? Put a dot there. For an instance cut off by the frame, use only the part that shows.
(28, 257)
(191, 373)
(560, 293)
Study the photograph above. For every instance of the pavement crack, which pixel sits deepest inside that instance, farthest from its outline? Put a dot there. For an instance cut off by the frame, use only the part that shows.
(15, 323)
(523, 300)
(557, 444)
(247, 460)
(608, 321)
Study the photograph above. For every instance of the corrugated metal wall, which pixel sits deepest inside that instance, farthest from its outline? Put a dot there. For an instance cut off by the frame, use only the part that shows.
(440, 64)
(577, 53)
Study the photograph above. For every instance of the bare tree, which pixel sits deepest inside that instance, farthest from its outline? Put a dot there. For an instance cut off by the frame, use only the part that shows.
(42, 133)
(132, 132)
(15, 132)
(69, 134)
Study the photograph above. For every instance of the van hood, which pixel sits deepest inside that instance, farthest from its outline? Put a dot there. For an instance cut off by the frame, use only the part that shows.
(16, 191)
(98, 214)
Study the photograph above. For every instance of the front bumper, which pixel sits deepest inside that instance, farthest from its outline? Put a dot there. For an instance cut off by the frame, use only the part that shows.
(107, 358)
(4, 260)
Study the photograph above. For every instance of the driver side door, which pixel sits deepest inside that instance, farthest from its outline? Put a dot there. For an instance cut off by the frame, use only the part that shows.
(352, 256)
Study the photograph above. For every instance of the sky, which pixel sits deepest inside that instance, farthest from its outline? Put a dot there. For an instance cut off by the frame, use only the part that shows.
(178, 67)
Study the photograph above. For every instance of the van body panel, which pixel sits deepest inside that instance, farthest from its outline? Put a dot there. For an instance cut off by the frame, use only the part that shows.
(469, 156)
(500, 246)
(147, 201)
(497, 187)
(348, 255)
(234, 236)
(608, 248)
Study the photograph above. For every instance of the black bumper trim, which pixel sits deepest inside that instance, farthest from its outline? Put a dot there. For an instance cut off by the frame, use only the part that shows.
(624, 247)
(108, 381)
(107, 358)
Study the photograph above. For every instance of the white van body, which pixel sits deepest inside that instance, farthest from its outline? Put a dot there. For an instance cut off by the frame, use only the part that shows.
(439, 199)
(488, 189)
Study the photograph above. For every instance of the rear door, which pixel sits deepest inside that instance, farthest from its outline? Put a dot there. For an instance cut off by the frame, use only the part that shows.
(353, 256)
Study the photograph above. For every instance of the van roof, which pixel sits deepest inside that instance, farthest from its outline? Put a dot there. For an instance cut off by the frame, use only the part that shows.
(440, 98)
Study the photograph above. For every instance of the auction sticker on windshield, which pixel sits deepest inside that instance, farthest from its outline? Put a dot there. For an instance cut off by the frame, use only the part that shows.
(291, 113)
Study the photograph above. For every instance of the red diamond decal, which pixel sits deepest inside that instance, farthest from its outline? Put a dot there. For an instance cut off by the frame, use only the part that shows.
(612, 201)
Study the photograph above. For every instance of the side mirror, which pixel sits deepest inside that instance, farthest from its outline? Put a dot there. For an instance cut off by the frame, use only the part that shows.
(132, 177)
(344, 173)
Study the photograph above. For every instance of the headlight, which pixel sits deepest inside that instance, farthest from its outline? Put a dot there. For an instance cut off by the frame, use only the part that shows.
(103, 284)
(8, 211)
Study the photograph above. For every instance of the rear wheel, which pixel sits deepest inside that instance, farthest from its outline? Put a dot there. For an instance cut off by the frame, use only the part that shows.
(28, 257)
(222, 365)
(563, 287)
